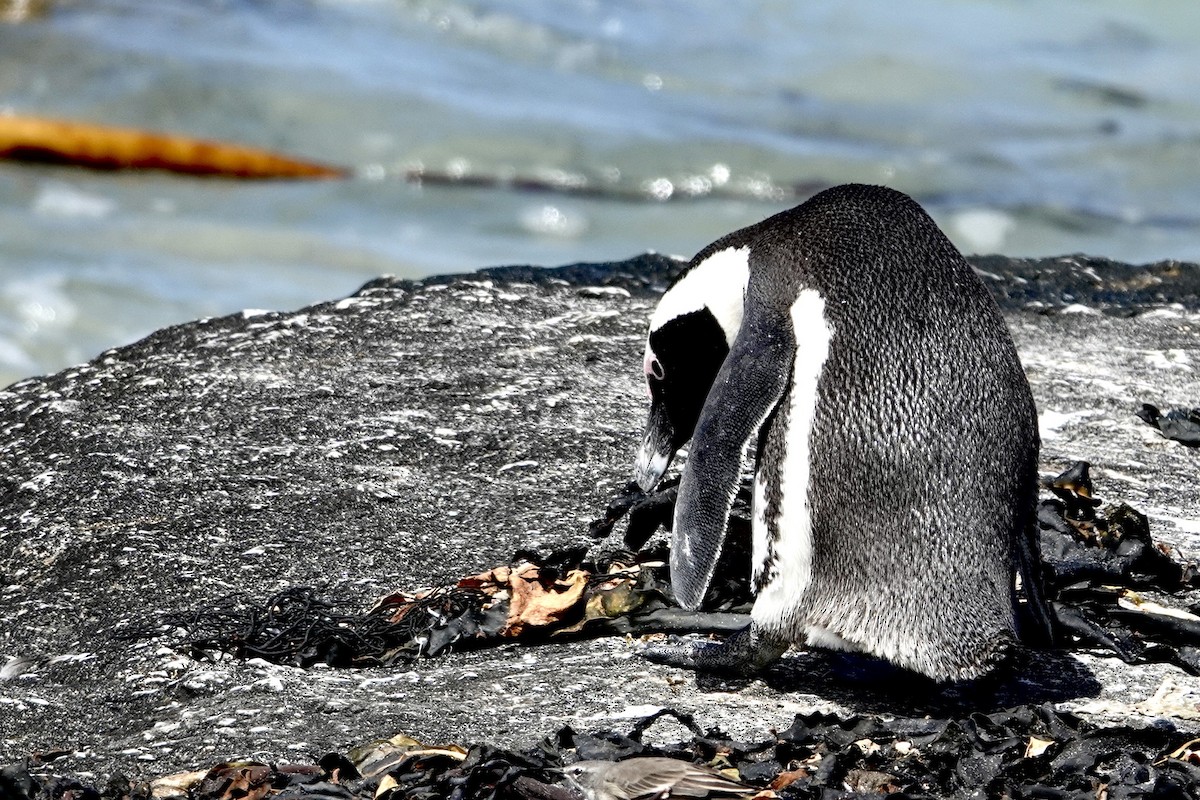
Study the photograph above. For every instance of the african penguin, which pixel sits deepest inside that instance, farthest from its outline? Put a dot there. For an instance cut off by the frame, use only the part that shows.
(896, 464)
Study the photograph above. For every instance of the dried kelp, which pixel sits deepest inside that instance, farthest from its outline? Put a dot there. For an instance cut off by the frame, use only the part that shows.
(1106, 568)
(1103, 569)
(1180, 424)
(527, 600)
(1029, 751)
(104, 147)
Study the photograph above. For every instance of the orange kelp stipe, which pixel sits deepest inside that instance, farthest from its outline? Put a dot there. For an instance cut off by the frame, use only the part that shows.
(85, 144)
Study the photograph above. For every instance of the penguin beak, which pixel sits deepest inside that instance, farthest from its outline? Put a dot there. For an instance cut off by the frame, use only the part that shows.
(657, 448)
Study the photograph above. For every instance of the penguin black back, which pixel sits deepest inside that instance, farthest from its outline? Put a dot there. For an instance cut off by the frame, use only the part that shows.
(897, 439)
(924, 435)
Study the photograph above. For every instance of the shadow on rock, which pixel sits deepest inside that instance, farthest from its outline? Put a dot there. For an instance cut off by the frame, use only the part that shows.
(873, 686)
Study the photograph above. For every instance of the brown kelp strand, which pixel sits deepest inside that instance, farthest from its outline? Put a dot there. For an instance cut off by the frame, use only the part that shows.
(106, 147)
(1100, 561)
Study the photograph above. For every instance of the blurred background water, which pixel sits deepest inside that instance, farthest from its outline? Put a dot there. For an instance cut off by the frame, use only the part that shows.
(578, 130)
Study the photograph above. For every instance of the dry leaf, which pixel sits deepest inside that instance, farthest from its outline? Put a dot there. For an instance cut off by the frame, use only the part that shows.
(1133, 601)
(237, 782)
(605, 603)
(867, 746)
(536, 604)
(386, 784)
(177, 785)
(381, 755)
(94, 146)
(1188, 751)
(866, 781)
(787, 778)
(1035, 746)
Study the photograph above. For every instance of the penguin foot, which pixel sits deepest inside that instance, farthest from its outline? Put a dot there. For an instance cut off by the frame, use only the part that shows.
(744, 653)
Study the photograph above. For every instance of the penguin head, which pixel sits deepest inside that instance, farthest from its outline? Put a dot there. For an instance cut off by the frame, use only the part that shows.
(691, 331)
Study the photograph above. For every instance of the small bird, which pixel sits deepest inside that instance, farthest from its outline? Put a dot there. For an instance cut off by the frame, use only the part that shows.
(650, 777)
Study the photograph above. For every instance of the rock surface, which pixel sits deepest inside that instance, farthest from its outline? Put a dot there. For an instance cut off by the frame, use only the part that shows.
(417, 432)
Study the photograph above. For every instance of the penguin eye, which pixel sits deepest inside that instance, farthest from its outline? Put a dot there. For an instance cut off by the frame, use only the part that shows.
(654, 369)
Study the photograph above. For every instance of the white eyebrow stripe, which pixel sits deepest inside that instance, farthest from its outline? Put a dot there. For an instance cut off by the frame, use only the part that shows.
(718, 282)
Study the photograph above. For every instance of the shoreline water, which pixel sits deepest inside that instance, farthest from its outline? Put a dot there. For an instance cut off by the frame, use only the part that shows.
(1025, 131)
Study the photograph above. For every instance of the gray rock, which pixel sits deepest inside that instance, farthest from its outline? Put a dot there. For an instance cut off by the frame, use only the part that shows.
(417, 432)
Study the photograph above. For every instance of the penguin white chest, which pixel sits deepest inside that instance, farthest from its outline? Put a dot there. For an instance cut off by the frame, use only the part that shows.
(782, 530)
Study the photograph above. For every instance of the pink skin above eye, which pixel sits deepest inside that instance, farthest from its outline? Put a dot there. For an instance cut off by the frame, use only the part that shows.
(651, 368)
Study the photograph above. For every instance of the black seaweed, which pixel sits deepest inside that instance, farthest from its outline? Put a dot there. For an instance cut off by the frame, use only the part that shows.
(1180, 424)
(1029, 751)
(1099, 562)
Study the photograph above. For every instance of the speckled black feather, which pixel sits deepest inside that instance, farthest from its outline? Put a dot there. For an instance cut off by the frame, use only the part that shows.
(924, 443)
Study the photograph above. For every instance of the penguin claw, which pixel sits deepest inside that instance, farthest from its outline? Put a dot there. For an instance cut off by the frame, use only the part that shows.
(744, 653)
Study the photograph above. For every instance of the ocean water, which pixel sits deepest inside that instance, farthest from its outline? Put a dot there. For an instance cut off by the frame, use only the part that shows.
(551, 133)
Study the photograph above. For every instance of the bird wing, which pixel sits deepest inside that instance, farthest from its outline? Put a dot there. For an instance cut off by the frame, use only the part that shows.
(751, 382)
(668, 777)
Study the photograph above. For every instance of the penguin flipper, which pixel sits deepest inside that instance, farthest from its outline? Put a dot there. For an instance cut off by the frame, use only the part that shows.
(745, 653)
(750, 384)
